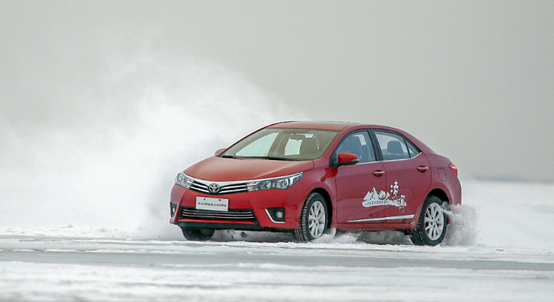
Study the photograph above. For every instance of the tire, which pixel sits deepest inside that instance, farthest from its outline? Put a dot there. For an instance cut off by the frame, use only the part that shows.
(432, 223)
(195, 234)
(313, 220)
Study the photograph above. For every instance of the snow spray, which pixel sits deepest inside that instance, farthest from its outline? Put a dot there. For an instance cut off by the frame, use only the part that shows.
(113, 166)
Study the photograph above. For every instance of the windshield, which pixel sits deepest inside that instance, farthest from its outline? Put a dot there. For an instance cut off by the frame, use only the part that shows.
(283, 144)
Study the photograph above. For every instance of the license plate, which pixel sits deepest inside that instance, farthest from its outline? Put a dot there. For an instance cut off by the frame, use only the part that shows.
(212, 204)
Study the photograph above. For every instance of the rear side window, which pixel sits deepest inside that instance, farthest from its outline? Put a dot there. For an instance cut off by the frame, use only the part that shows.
(394, 146)
(414, 151)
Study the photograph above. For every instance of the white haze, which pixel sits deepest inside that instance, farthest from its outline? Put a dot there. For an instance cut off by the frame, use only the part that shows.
(112, 162)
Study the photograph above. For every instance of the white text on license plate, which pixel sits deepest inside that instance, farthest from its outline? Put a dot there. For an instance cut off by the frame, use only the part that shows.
(212, 204)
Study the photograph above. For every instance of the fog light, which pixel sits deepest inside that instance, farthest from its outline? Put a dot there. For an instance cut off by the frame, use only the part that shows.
(277, 215)
(173, 209)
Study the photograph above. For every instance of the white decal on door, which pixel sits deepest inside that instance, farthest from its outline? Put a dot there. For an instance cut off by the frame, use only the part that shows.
(373, 199)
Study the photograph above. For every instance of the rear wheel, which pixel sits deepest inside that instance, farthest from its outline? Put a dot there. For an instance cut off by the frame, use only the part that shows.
(313, 220)
(196, 234)
(432, 223)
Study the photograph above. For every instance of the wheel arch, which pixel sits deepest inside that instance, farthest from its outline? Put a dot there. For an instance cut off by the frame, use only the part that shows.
(328, 203)
(440, 194)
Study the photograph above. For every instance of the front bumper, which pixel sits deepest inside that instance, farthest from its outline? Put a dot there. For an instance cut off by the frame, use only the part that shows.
(247, 210)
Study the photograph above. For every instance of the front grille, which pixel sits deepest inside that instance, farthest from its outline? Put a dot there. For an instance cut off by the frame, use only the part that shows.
(200, 187)
(232, 214)
(223, 189)
(235, 188)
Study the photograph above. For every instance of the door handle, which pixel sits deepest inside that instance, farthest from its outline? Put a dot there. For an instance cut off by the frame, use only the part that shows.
(378, 173)
(422, 169)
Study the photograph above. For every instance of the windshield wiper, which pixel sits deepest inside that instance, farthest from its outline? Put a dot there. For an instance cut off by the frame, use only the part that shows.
(274, 158)
(258, 157)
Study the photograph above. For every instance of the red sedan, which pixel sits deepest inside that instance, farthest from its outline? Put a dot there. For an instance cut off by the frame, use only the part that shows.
(308, 178)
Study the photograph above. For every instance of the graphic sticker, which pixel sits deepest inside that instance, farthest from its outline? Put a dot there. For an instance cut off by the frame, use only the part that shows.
(374, 199)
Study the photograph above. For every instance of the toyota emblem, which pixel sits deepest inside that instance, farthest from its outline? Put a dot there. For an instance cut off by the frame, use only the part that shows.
(214, 188)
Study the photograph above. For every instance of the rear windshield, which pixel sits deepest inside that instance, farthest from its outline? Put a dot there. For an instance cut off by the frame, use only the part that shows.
(283, 144)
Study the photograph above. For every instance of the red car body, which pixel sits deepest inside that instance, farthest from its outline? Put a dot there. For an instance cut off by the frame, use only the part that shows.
(383, 193)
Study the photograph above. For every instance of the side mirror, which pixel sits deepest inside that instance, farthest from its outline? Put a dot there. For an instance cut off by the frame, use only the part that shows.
(348, 159)
(219, 151)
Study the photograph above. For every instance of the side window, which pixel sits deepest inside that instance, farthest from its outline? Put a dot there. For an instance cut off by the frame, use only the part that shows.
(393, 146)
(359, 144)
(413, 150)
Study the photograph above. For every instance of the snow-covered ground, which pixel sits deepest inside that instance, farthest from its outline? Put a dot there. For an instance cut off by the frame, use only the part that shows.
(118, 270)
(500, 248)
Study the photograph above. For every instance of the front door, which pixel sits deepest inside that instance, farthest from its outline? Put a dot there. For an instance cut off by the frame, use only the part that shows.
(357, 184)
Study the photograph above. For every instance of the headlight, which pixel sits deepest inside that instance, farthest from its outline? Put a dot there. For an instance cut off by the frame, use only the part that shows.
(183, 180)
(282, 183)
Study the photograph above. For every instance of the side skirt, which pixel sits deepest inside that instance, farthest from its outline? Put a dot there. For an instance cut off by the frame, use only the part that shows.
(384, 218)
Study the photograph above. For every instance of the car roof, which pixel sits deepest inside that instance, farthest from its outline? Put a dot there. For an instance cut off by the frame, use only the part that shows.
(314, 125)
(328, 125)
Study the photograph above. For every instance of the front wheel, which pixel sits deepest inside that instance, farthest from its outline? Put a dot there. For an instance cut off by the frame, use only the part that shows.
(313, 220)
(196, 234)
(432, 223)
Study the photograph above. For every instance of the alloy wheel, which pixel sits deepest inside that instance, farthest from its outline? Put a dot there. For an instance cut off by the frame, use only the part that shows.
(316, 219)
(434, 221)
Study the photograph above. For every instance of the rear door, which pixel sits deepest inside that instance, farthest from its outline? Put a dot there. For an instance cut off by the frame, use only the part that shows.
(407, 173)
(357, 184)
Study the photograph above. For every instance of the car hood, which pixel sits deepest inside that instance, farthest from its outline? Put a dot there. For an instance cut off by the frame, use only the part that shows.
(232, 169)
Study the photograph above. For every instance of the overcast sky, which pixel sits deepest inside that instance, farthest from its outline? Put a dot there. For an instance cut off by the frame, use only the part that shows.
(472, 79)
